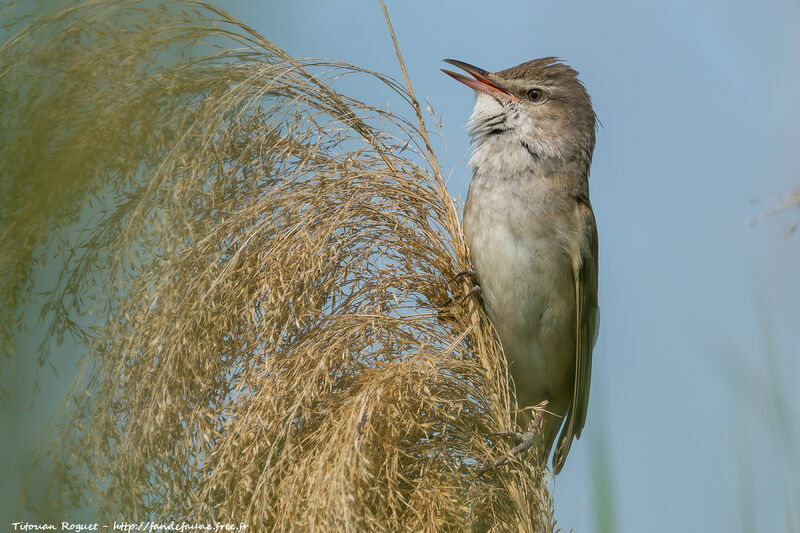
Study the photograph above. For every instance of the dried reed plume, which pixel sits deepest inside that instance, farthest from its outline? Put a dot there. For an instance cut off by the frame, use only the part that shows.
(257, 267)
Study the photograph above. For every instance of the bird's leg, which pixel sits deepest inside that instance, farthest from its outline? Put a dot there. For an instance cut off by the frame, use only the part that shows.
(525, 440)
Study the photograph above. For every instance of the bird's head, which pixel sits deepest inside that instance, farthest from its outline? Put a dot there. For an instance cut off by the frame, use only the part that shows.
(539, 105)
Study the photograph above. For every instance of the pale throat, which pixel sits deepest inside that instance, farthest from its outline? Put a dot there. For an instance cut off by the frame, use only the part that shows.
(504, 139)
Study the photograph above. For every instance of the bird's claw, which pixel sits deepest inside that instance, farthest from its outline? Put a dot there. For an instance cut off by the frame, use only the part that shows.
(475, 289)
(510, 433)
(472, 274)
(526, 441)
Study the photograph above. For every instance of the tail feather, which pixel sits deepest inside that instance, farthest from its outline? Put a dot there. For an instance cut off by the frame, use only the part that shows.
(564, 444)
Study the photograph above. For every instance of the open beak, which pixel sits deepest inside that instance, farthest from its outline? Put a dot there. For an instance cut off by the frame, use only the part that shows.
(480, 82)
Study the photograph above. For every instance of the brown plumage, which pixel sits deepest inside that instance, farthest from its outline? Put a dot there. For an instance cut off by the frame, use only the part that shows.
(532, 234)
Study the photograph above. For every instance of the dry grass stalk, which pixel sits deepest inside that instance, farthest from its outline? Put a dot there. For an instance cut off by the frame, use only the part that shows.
(260, 288)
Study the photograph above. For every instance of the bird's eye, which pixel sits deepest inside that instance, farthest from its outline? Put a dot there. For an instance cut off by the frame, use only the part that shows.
(535, 94)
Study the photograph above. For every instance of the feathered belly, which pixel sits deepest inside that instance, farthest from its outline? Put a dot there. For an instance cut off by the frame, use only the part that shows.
(527, 287)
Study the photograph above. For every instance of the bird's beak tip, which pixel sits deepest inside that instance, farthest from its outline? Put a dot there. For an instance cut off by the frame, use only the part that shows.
(479, 81)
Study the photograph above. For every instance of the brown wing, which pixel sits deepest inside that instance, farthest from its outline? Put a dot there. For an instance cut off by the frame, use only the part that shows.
(585, 275)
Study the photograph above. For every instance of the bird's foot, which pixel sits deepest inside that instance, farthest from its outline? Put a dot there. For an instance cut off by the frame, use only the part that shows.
(525, 440)
(473, 276)
(475, 289)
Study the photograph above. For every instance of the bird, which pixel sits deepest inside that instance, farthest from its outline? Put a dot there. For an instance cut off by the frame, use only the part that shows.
(532, 237)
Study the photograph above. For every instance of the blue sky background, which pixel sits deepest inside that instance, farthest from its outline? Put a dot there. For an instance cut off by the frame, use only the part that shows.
(699, 319)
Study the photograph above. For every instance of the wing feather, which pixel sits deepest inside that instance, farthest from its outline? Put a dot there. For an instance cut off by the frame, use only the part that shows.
(586, 315)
